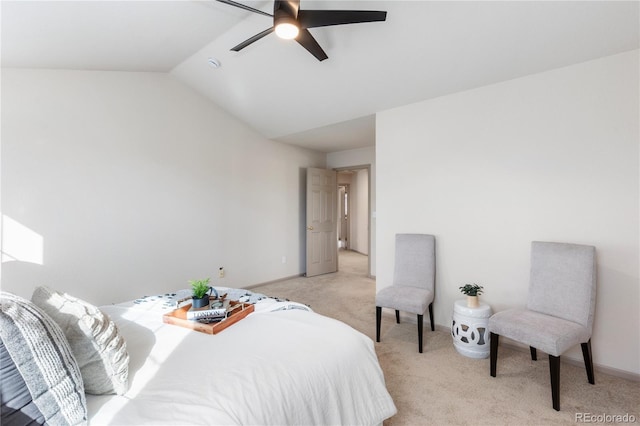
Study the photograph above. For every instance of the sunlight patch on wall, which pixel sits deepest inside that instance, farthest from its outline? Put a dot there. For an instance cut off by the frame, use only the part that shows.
(20, 243)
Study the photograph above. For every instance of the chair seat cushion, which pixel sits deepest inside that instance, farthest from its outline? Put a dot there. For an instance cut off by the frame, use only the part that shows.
(544, 332)
(405, 298)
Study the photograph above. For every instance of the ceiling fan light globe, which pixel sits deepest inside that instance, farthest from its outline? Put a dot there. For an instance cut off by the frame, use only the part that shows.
(287, 30)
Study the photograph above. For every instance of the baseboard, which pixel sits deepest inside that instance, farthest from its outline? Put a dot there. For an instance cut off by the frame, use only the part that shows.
(250, 287)
(443, 328)
(357, 251)
(599, 368)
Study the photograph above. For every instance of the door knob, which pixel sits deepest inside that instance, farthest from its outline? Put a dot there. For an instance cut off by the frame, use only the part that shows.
(310, 228)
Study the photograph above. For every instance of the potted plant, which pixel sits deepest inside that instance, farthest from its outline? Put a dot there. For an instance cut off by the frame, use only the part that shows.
(472, 291)
(201, 290)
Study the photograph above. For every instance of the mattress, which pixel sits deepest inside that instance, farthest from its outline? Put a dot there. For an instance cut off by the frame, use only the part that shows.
(281, 365)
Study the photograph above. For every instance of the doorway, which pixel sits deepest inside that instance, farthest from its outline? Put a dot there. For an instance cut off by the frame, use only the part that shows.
(354, 212)
(343, 217)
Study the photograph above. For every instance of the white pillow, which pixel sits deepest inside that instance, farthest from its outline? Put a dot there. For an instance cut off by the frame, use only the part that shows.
(44, 359)
(100, 350)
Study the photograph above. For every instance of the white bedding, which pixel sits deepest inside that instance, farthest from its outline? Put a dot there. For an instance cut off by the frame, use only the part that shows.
(278, 366)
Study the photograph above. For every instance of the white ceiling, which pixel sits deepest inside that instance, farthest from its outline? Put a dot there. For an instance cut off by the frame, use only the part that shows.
(425, 49)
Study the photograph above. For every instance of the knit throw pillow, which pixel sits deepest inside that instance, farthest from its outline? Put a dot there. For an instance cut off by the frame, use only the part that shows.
(40, 351)
(100, 350)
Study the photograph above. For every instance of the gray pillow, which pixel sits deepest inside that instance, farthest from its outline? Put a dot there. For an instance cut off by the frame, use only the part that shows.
(18, 408)
(100, 350)
(44, 359)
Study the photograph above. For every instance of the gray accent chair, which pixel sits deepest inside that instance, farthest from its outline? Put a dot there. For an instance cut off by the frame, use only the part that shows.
(413, 284)
(559, 311)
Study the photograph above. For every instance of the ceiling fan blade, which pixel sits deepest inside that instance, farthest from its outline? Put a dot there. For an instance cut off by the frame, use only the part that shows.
(325, 18)
(252, 39)
(242, 6)
(307, 41)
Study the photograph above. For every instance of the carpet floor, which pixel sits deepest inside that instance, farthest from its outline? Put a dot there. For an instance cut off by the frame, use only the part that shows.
(442, 387)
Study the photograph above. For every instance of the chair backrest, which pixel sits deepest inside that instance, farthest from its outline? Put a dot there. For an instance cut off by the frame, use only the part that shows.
(563, 281)
(415, 262)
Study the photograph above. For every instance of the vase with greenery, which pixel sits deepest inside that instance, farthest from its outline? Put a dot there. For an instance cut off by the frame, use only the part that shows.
(472, 291)
(201, 290)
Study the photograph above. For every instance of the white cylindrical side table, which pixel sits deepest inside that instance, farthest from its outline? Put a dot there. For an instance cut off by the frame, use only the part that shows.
(469, 329)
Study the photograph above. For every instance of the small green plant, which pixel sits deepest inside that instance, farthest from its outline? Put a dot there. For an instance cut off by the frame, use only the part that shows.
(200, 287)
(472, 289)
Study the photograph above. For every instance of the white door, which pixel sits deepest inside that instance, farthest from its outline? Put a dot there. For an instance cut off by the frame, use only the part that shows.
(322, 242)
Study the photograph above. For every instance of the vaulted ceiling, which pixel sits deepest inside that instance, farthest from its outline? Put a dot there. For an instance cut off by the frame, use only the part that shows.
(425, 49)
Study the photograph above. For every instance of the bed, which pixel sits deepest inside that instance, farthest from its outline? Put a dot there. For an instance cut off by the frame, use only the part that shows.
(283, 364)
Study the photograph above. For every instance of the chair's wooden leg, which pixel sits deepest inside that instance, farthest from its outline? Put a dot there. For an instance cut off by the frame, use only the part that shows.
(493, 352)
(534, 353)
(431, 316)
(420, 318)
(397, 316)
(588, 361)
(554, 370)
(378, 319)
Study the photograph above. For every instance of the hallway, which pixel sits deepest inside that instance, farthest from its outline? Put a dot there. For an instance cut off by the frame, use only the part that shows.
(352, 262)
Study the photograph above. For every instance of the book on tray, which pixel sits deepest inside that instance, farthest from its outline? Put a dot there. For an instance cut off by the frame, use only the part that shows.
(217, 310)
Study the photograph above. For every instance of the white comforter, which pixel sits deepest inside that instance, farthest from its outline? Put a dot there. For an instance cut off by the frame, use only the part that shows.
(275, 367)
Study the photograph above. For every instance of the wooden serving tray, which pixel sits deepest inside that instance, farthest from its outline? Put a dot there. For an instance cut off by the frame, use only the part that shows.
(179, 317)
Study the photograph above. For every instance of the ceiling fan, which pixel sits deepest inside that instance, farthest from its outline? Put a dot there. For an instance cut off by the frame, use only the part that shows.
(289, 22)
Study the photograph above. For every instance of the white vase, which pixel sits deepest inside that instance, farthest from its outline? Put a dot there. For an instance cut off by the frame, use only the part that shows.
(472, 301)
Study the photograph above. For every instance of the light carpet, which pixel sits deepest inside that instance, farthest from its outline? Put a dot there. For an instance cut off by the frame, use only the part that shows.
(442, 387)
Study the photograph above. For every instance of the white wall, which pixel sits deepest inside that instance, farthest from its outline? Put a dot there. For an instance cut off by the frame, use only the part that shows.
(360, 230)
(136, 185)
(361, 157)
(552, 157)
